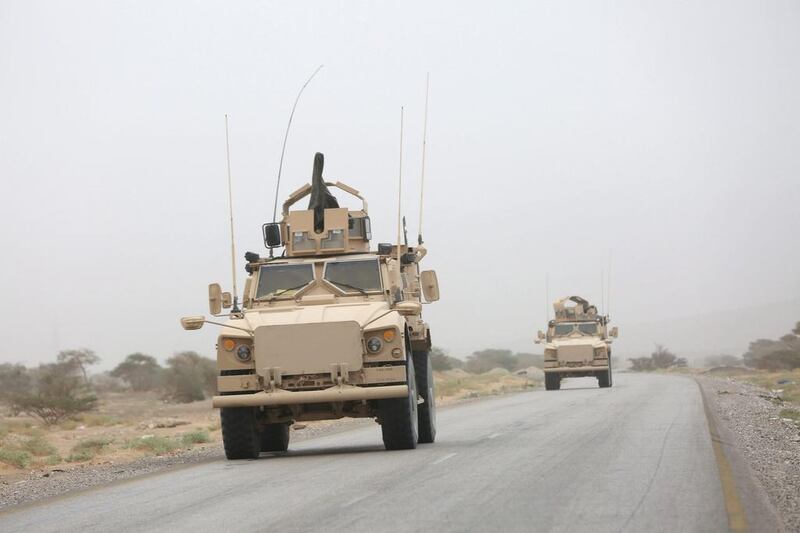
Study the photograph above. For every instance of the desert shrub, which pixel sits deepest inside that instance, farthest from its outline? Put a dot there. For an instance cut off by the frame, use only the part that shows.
(154, 445)
(195, 437)
(94, 445)
(782, 354)
(141, 371)
(38, 446)
(485, 360)
(105, 382)
(189, 377)
(661, 358)
(79, 359)
(58, 392)
(13, 457)
(440, 360)
(723, 360)
(14, 380)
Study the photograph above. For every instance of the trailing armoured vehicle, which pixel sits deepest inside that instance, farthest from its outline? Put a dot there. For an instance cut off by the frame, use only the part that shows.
(329, 329)
(577, 344)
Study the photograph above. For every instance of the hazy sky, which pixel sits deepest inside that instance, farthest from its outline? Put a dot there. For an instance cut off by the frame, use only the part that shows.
(665, 134)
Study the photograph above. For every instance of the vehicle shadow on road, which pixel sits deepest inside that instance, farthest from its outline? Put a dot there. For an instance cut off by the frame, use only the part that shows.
(336, 450)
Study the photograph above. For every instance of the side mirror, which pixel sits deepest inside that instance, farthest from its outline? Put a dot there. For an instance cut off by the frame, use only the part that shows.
(430, 285)
(227, 300)
(539, 337)
(214, 299)
(614, 332)
(408, 308)
(272, 235)
(190, 323)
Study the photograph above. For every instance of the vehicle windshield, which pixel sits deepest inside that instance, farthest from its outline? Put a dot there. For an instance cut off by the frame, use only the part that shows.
(286, 280)
(585, 328)
(355, 276)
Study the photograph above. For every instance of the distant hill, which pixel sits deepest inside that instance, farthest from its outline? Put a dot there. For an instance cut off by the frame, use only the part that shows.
(726, 331)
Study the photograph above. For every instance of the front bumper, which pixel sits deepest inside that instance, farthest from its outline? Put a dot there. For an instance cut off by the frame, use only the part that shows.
(343, 393)
(568, 369)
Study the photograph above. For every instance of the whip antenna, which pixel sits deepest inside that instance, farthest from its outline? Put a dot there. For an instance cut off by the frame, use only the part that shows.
(400, 190)
(235, 308)
(283, 150)
(424, 145)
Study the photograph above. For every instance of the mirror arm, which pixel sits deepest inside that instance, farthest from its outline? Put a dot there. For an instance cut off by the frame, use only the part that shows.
(249, 332)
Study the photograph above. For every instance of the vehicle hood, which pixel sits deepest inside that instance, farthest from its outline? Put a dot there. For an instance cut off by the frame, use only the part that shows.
(594, 342)
(370, 314)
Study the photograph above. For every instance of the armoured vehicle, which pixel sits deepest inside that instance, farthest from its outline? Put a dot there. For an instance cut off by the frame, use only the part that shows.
(577, 343)
(328, 329)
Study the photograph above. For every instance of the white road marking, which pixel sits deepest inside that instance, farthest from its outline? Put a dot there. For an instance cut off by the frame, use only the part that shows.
(445, 458)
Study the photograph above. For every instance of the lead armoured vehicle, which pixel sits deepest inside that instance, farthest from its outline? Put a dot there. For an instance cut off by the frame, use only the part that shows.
(577, 343)
(329, 329)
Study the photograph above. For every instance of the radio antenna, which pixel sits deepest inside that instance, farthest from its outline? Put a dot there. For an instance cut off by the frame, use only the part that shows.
(400, 190)
(424, 145)
(602, 290)
(547, 296)
(235, 308)
(608, 286)
(283, 150)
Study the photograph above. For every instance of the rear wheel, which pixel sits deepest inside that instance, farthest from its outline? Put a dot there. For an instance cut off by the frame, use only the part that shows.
(240, 436)
(552, 381)
(426, 412)
(275, 438)
(399, 421)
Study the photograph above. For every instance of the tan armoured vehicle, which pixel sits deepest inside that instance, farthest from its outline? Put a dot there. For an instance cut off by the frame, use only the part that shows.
(577, 344)
(329, 329)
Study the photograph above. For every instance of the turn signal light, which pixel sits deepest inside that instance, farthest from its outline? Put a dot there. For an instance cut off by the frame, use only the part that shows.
(388, 335)
(229, 344)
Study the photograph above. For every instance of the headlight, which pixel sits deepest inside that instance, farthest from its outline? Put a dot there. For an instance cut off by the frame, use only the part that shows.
(374, 345)
(600, 353)
(243, 353)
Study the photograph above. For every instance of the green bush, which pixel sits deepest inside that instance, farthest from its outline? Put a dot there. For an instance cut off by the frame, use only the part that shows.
(189, 377)
(18, 458)
(38, 446)
(154, 445)
(196, 437)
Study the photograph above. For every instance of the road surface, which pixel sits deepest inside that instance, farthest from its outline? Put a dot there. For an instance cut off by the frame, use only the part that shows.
(635, 457)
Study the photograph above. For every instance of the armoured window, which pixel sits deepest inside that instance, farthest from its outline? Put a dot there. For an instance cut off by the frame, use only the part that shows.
(589, 328)
(276, 280)
(563, 329)
(355, 276)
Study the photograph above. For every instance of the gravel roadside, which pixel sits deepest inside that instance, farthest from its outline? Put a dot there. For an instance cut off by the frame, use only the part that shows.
(768, 444)
(55, 482)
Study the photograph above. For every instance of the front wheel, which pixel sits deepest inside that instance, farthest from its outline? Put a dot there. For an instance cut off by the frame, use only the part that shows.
(426, 412)
(240, 436)
(605, 379)
(398, 416)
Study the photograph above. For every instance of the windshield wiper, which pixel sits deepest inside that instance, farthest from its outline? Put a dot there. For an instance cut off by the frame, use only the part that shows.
(278, 293)
(343, 284)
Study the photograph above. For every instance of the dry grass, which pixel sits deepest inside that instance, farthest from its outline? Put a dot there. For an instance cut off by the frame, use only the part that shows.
(154, 445)
(788, 381)
(456, 384)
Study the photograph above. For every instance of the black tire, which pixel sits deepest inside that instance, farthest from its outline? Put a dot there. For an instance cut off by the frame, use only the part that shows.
(552, 381)
(604, 378)
(426, 412)
(399, 420)
(275, 437)
(240, 436)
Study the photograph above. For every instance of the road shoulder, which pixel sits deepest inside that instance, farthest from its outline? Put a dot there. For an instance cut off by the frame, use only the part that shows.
(760, 455)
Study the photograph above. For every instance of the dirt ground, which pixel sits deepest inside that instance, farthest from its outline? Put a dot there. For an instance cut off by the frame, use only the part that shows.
(127, 427)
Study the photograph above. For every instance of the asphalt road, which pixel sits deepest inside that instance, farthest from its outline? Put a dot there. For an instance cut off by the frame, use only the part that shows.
(635, 457)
